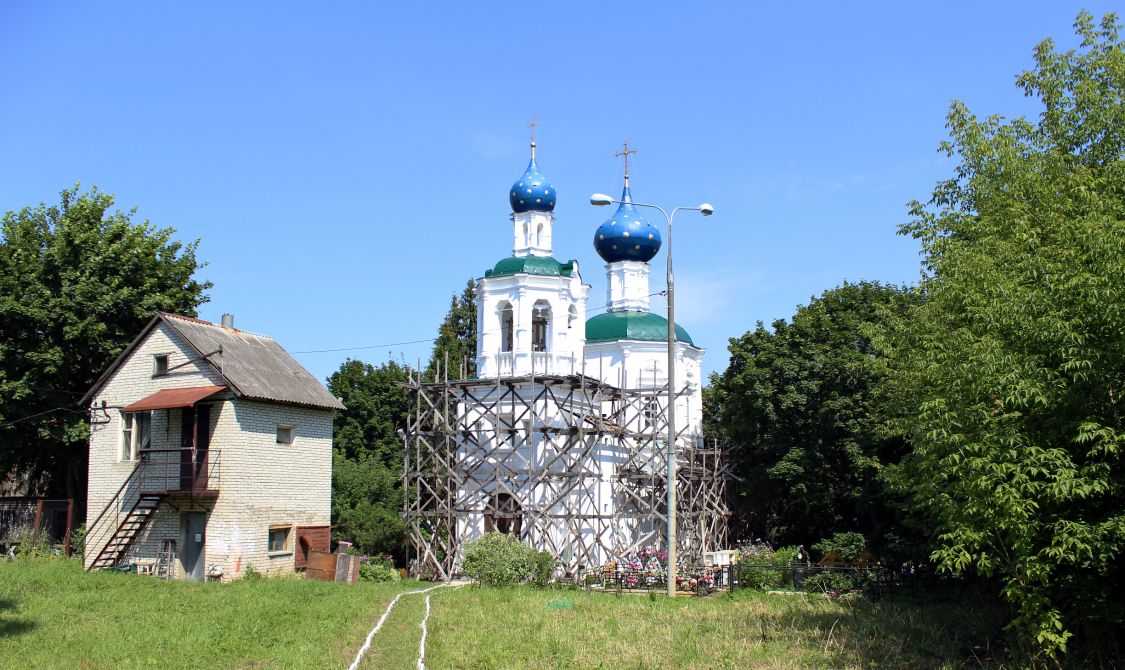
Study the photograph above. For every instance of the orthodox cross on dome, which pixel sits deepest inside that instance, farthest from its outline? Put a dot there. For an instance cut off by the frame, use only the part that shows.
(532, 125)
(626, 152)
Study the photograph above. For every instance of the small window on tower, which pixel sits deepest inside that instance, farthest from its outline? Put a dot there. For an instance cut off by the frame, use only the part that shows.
(284, 434)
(159, 365)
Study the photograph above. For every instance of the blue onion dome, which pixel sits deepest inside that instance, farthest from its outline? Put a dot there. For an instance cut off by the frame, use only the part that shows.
(532, 192)
(627, 236)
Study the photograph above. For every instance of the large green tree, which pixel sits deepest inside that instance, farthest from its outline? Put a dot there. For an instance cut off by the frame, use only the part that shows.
(799, 405)
(367, 467)
(367, 455)
(1011, 373)
(77, 283)
(457, 337)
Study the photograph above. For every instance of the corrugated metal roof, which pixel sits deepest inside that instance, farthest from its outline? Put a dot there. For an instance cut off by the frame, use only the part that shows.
(169, 398)
(255, 365)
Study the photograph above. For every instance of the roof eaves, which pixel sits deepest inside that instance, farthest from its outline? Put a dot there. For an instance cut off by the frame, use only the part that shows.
(85, 400)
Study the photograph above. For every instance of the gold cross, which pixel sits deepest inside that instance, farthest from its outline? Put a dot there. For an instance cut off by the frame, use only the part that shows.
(533, 125)
(626, 152)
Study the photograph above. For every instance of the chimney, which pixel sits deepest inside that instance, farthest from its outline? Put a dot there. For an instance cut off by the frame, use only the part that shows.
(228, 321)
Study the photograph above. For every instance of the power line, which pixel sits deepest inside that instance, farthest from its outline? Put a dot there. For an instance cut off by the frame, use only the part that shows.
(423, 340)
(45, 388)
(56, 409)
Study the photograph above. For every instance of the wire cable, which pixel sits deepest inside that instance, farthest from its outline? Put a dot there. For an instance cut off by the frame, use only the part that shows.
(427, 339)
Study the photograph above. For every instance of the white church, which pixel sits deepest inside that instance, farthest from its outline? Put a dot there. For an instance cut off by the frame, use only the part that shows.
(561, 438)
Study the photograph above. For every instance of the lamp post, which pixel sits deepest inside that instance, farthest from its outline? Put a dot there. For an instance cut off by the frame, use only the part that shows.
(600, 200)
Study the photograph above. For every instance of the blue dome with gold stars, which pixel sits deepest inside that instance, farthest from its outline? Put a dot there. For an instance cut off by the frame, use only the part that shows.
(627, 236)
(532, 192)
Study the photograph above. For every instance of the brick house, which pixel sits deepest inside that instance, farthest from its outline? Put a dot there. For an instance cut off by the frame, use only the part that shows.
(210, 451)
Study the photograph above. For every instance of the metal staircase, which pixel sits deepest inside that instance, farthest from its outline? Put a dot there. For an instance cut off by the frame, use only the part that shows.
(127, 531)
(184, 478)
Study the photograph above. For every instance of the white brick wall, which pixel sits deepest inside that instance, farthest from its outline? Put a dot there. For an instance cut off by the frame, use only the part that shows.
(261, 483)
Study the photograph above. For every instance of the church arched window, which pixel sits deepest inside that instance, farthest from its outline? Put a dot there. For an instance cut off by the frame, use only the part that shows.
(504, 515)
(540, 325)
(572, 316)
(539, 235)
(526, 235)
(507, 325)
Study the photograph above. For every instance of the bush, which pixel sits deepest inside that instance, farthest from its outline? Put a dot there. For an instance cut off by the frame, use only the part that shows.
(250, 574)
(26, 543)
(544, 568)
(787, 555)
(846, 545)
(828, 582)
(752, 558)
(78, 541)
(496, 559)
(377, 569)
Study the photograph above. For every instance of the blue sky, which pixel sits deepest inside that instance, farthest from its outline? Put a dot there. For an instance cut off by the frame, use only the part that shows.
(347, 165)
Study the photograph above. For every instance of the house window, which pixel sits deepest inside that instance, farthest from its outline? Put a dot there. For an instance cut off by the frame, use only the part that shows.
(135, 434)
(279, 539)
(284, 434)
(159, 365)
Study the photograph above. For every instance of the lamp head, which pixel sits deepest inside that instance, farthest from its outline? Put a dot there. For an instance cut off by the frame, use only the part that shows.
(706, 209)
(601, 200)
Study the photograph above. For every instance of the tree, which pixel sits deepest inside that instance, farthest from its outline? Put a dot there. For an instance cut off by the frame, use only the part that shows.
(77, 284)
(1011, 374)
(367, 455)
(457, 337)
(376, 409)
(799, 405)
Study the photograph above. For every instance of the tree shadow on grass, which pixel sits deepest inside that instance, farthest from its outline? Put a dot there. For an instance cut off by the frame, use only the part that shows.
(10, 627)
(893, 634)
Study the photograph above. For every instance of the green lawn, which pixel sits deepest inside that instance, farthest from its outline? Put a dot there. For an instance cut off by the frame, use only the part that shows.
(52, 615)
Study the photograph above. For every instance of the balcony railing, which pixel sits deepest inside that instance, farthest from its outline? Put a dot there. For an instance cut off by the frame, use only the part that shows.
(505, 363)
(178, 470)
(542, 362)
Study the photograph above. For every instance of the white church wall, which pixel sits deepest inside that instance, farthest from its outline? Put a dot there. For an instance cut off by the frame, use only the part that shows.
(566, 338)
(636, 364)
(532, 234)
(627, 286)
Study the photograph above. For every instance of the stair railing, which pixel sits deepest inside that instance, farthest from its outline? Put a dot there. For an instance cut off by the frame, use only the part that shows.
(103, 533)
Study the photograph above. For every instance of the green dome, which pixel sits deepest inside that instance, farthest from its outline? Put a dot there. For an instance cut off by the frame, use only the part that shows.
(643, 326)
(533, 265)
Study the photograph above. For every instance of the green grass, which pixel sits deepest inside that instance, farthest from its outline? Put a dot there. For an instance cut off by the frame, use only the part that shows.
(52, 615)
(515, 628)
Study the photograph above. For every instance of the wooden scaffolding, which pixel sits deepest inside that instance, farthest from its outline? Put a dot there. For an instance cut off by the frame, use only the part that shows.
(543, 457)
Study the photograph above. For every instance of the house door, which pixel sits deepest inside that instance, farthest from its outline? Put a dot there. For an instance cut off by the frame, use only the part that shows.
(195, 539)
(195, 440)
(187, 445)
(202, 444)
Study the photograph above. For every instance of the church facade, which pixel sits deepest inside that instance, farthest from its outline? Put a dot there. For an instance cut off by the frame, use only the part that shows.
(561, 438)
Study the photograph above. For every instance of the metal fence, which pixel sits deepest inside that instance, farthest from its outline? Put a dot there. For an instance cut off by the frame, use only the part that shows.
(871, 581)
(45, 519)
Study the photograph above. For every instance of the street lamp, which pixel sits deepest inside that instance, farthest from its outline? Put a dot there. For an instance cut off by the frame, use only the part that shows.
(600, 200)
